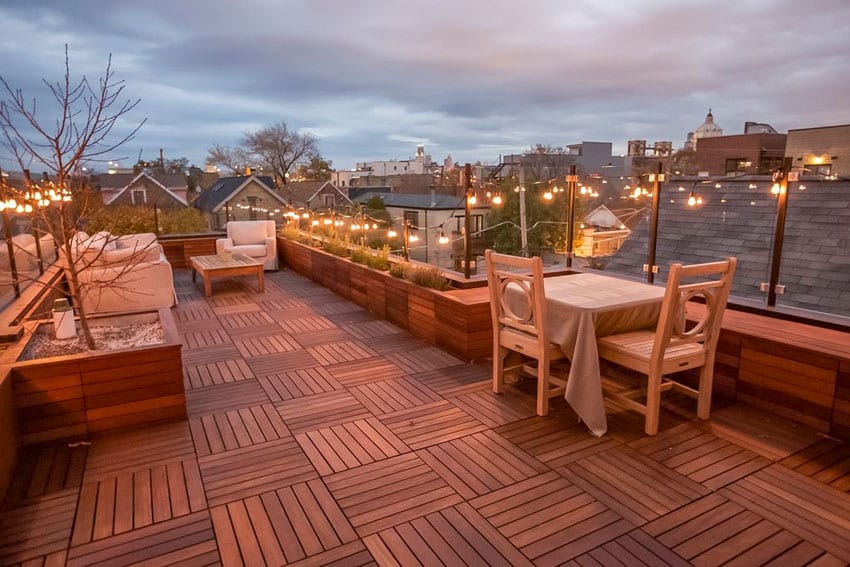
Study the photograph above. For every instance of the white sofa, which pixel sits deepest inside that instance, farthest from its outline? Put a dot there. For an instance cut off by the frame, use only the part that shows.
(253, 238)
(26, 258)
(122, 273)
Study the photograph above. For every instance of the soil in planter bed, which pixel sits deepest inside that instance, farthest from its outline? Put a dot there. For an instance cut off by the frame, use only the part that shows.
(43, 345)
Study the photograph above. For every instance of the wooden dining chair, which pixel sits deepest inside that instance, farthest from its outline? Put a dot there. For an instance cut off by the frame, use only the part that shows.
(676, 344)
(519, 323)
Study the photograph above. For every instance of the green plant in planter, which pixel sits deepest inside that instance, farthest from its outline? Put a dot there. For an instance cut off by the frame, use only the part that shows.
(426, 276)
(337, 247)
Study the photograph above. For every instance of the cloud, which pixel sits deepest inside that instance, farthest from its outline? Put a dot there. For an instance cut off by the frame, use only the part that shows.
(474, 78)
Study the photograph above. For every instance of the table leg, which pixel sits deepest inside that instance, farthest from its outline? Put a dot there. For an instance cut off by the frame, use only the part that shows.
(260, 282)
(207, 285)
(194, 273)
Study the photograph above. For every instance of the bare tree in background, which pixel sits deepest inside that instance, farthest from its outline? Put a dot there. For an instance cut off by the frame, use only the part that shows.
(76, 131)
(274, 149)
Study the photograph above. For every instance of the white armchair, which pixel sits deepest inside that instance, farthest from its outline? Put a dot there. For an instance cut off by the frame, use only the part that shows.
(122, 273)
(252, 238)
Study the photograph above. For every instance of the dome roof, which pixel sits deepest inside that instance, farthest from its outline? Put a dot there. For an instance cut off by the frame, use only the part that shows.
(708, 129)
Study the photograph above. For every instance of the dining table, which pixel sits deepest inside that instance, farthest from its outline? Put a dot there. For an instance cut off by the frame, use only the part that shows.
(581, 307)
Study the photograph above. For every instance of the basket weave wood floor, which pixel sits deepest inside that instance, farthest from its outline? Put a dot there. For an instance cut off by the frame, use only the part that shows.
(319, 434)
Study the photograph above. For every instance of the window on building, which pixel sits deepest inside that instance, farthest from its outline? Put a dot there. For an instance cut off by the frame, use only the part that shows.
(328, 200)
(768, 164)
(737, 165)
(477, 225)
(139, 197)
(252, 208)
(411, 217)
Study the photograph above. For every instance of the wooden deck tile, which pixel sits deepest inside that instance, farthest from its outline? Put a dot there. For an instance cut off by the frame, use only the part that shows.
(132, 500)
(138, 450)
(188, 539)
(456, 380)
(273, 305)
(352, 554)
(389, 492)
(249, 471)
(391, 344)
(430, 424)
(633, 548)
(424, 360)
(556, 440)
(349, 445)
(299, 383)
(494, 410)
(714, 531)
(337, 353)
(253, 347)
(221, 372)
(206, 355)
(810, 510)
(306, 325)
(314, 338)
(480, 463)
(337, 307)
(550, 519)
(321, 410)
(197, 311)
(827, 461)
(452, 536)
(43, 470)
(634, 486)
(281, 527)
(237, 428)
(199, 325)
(281, 362)
(222, 397)
(393, 395)
(249, 320)
(365, 371)
(206, 338)
(37, 527)
(297, 312)
(372, 329)
(709, 460)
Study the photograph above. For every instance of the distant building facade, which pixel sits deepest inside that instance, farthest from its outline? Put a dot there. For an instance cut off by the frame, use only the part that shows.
(740, 154)
(823, 151)
(707, 129)
(247, 197)
(166, 191)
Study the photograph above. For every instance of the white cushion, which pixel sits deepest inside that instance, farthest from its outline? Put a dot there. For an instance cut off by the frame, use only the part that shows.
(252, 250)
(247, 232)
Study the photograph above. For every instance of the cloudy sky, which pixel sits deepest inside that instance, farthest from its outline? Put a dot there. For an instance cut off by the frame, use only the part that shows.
(470, 78)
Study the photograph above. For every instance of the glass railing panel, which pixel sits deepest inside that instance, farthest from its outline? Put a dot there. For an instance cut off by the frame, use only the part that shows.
(815, 269)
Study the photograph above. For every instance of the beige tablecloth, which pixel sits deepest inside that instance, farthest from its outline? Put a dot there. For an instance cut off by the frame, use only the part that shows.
(581, 307)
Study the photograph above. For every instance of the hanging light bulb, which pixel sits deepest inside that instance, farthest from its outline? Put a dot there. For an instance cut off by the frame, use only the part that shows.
(443, 238)
(391, 233)
(775, 189)
(471, 199)
(547, 195)
(497, 199)
(692, 200)
(636, 192)
(315, 222)
(412, 238)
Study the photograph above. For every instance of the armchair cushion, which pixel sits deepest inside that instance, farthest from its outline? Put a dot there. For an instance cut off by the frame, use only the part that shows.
(256, 239)
(247, 233)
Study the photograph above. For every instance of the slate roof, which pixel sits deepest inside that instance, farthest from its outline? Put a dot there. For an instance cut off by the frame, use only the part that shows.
(156, 181)
(737, 220)
(300, 193)
(121, 180)
(213, 198)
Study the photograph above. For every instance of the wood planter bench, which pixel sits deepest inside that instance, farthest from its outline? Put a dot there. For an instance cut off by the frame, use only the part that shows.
(81, 395)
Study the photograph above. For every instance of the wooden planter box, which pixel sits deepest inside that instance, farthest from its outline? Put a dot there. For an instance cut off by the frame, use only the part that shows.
(457, 320)
(81, 395)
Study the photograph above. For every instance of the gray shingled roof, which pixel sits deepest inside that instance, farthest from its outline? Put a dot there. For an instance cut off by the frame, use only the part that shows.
(737, 220)
(419, 201)
(210, 199)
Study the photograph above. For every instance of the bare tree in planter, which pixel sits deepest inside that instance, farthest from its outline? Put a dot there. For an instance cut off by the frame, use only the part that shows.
(75, 132)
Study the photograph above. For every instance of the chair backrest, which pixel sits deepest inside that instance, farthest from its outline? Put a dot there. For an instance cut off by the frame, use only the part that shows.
(250, 232)
(712, 282)
(524, 310)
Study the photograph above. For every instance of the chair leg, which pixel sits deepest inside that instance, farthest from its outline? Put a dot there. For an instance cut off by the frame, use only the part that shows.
(499, 354)
(543, 387)
(706, 379)
(653, 402)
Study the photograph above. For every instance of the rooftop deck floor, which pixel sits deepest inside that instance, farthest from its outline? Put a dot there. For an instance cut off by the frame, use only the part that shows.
(319, 434)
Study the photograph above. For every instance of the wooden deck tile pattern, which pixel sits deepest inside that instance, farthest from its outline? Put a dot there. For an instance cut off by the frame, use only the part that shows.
(299, 383)
(350, 445)
(285, 526)
(221, 372)
(249, 471)
(189, 540)
(709, 460)
(634, 486)
(389, 492)
(319, 434)
(808, 509)
(237, 428)
(37, 527)
(430, 424)
(321, 410)
(453, 536)
(132, 500)
(480, 463)
(550, 519)
(388, 396)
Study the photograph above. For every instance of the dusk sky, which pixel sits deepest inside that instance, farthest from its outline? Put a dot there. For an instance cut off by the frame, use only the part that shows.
(474, 79)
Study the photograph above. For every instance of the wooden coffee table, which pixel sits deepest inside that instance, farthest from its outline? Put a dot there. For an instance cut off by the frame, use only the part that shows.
(217, 267)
